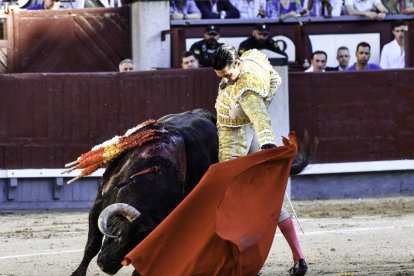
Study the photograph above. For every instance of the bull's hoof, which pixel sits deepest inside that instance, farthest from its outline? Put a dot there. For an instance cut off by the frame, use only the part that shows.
(299, 268)
(79, 272)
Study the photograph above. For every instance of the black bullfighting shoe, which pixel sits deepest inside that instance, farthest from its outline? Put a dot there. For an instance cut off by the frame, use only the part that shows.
(299, 268)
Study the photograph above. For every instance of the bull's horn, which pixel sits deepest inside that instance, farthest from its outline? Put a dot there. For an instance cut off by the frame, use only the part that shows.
(123, 209)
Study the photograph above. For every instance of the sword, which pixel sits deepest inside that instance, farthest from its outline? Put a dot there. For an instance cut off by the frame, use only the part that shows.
(294, 213)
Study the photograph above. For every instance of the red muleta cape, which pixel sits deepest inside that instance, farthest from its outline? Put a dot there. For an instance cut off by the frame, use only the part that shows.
(226, 225)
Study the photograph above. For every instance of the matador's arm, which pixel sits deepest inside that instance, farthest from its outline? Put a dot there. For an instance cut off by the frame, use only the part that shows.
(255, 108)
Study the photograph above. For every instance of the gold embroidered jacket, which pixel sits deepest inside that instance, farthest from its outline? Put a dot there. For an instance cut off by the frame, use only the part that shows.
(244, 103)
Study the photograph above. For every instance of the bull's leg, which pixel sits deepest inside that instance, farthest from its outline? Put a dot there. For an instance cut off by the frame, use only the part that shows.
(93, 245)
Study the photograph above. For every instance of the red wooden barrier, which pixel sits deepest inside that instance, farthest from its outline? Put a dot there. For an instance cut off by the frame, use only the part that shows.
(49, 119)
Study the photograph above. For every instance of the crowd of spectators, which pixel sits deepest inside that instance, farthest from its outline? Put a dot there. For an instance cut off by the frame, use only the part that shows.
(201, 52)
(281, 9)
(277, 9)
(392, 54)
(204, 49)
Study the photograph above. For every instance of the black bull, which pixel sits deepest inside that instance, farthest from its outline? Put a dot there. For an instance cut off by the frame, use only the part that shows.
(151, 180)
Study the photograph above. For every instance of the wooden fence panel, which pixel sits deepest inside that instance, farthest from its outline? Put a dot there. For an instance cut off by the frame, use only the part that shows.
(87, 40)
(49, 119)
(357, 116)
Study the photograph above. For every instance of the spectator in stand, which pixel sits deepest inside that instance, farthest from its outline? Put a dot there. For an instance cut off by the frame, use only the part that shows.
(342, 56)
(216, 9)
(363, 53)
(260, 40)
(373, 9)
(393, 6)
(326, 8)
(45, 5)
(205, 48)
(284, 8)
(126, 65)
(184, 9)
(393, 55)
(115, 4)
(407, 7)
(188, 60)
(250, 8)
(56, 5)
(318, 62)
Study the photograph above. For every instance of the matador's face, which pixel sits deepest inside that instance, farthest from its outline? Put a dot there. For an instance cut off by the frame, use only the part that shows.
(230, 73)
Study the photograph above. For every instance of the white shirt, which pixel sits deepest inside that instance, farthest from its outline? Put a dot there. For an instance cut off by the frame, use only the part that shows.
(310, 69)
(392, 56)
(249, 10)
(76, 4)
(362, 5)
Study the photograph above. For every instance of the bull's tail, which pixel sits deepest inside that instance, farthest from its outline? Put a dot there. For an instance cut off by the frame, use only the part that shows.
(306, 152)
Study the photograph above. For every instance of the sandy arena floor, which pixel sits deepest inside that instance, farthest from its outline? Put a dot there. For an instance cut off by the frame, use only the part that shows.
(342, 237)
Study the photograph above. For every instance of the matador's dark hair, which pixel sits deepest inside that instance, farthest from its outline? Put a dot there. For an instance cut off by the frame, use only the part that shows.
(225, 55)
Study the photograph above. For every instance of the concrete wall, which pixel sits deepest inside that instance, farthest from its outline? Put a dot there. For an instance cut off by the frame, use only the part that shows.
(354, 185)
(46, 193)
(354, 180)
(149, 19)
(279, 108)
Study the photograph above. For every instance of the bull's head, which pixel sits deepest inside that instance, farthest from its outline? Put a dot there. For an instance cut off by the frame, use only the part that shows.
(116, 223)
(143, 192)
(186, 148)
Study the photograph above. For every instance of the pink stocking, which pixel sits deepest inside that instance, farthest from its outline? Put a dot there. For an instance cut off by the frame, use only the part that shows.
(288, 230)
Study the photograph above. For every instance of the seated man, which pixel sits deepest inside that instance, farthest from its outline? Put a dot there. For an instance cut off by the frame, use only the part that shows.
(250, 8)
(184, 9)
(260, 39)
(126, 65)
(318, 62)
(56, 4)
(407, 7)
(204, 49)
(282, 9)
(393, 53)
(216, 9)
(325, 8)
(342, 56)
(373, 9)
(45, 5)
(363, 53)
(188, 60)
